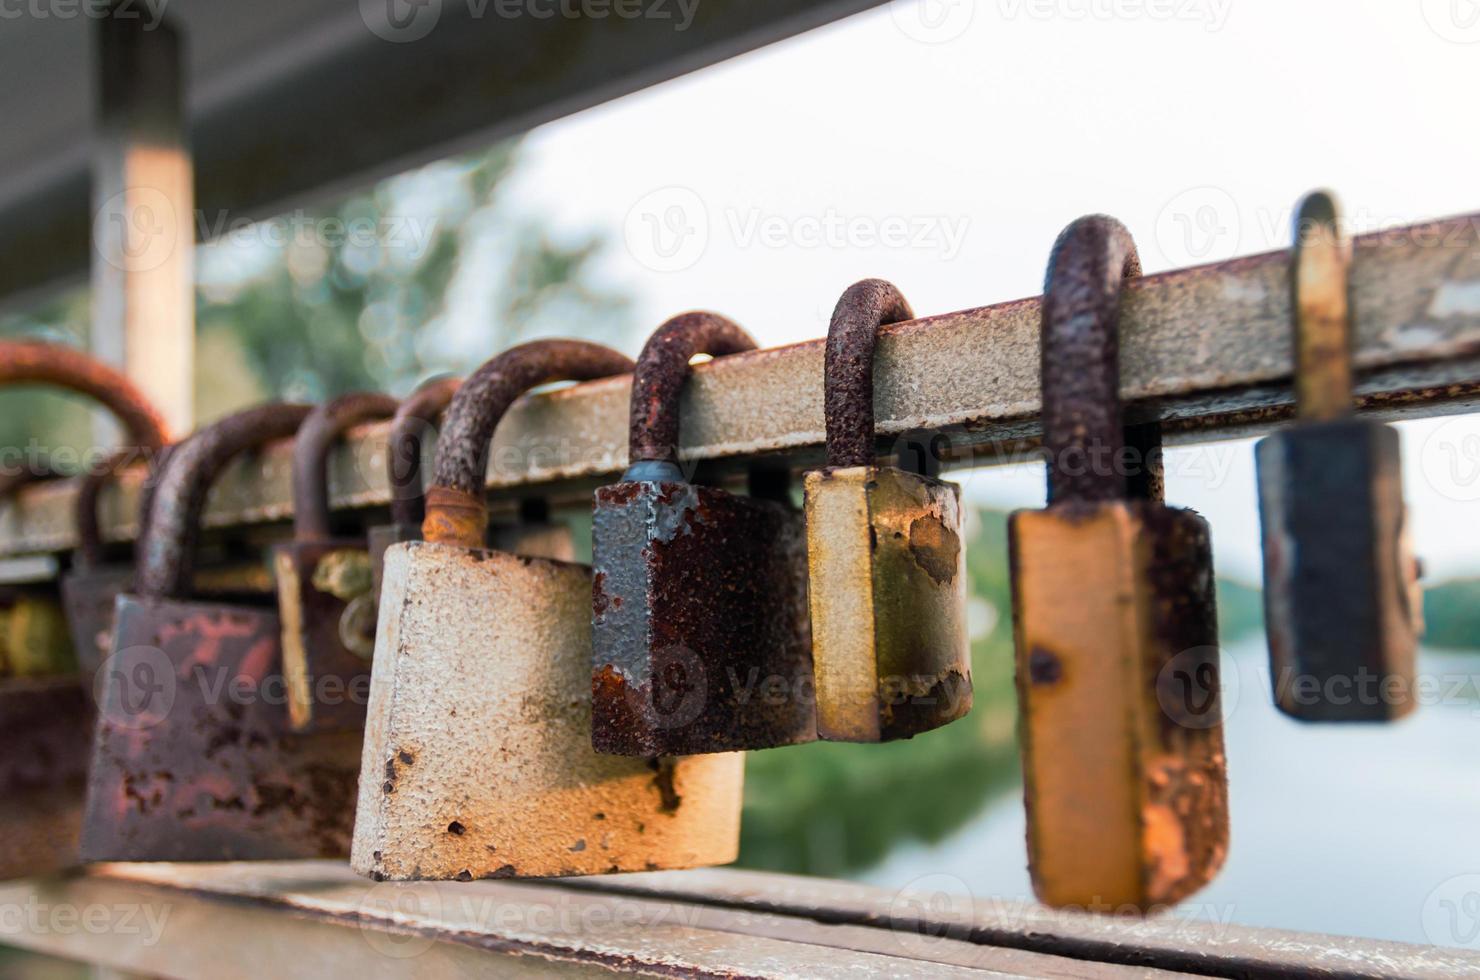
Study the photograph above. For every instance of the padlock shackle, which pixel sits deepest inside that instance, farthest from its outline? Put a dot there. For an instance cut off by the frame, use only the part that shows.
(848, 371)
(418, 413)
(89, 553)
(166, 551)
(1320, 301)
(456, 512)
(323, 427)
(58, 366)
(662, 369)
(1082, 424)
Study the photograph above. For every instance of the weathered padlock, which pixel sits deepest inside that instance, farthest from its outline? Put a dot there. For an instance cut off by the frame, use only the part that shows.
(1341, 601)
(1114, 609)
(325, 595)
(886, 566)
(478, 761)
(194, 759)
(533, 536)
(701, 640)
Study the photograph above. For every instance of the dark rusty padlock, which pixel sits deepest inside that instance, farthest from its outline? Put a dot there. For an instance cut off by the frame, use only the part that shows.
(325, 595)
(1113, 608)
(701, 640)
(415, 421)
(886, 566)
(194, 759)
(1343, 611)
(478, 760)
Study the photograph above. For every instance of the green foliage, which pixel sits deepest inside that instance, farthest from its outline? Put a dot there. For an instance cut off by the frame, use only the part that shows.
(1452, 611)
(1240, 610)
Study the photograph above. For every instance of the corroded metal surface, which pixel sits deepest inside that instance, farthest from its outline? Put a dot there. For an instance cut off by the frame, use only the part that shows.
(324, 583)
(193, 760)
(1119, 716)
(478, 761)
(1343, 610)
(848, 371)
(887, 590)
(700, 622)
(661, 373)
(415, 420)
(1204, 350)
(46, 727)
(24, 361)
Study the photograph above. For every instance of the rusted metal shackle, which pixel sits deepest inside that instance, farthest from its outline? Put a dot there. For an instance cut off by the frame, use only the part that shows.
(456, 512)
(323, 427)
(166, 551)
(1320, 297)
(1091, 261)
(421, 409)
(657, 387)
(849, 369)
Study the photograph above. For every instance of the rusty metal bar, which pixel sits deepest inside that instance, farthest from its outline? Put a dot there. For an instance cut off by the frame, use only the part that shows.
(1205, 351)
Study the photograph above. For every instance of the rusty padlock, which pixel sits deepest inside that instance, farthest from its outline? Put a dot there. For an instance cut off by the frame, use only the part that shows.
(478, 761)
(886, 566)
(325, 595)
(194, 759)
(1113, 605)
(1343, 610)
(533, 536)
(701, 640)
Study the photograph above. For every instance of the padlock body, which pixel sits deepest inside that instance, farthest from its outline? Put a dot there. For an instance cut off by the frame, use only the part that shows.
(193, 758)
(89, 598)
(46, 728)
(34, 639)
(887, 588)
(701, 638)
(1342, 608)
(1115, 625)
(478, 760)
(326, 647)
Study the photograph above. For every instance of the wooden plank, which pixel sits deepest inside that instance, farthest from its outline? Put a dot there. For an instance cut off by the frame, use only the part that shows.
(314, 918)
(1206, 350)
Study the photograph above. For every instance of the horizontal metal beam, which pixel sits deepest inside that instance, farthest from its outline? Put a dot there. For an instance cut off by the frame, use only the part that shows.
(311, 918)
(1205, 350)
(297, 100)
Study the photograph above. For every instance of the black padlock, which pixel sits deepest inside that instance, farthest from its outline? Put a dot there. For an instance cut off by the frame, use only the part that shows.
(324, 585)
(1341, 600)
(194, 758)
(701, 636)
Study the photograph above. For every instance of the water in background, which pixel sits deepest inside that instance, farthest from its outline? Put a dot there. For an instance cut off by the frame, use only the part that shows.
(1357, 830)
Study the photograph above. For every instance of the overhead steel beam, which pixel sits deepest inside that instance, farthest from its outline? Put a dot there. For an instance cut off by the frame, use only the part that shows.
(1206, 351)
(312, 110)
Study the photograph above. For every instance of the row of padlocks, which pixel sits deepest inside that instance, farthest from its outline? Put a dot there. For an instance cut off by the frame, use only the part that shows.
(527, 716)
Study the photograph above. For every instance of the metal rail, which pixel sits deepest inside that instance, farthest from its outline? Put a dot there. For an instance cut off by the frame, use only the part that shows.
(309, 919)
(1205, 350)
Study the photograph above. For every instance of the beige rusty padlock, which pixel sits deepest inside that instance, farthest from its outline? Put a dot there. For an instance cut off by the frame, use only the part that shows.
(478, 760)
(886, 566)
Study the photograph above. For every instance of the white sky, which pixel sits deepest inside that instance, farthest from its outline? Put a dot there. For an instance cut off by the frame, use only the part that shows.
(987, 127)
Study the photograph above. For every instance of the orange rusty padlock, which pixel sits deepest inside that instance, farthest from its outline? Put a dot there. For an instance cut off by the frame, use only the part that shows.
(194, 758)
(1113, 608)
(478, 759)
(324, 585)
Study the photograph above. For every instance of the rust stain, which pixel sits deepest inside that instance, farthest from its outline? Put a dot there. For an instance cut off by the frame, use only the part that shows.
(935, 548)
